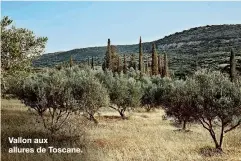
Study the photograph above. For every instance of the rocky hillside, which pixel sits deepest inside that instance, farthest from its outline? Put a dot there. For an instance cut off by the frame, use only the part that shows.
(199, 47)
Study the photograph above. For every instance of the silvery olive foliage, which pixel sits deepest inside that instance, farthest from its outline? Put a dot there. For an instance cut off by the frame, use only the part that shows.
(56, 94)
(89, 93)
(50, 94)
(19, 46)
(150, 96)
(182, 101)
(218, 103)
(207, 97)
(125, 93)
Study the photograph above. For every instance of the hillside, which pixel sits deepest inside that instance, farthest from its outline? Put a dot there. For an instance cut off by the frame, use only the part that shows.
(206, 46)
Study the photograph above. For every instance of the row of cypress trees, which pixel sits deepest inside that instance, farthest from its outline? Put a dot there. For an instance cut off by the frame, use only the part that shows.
(159, 63)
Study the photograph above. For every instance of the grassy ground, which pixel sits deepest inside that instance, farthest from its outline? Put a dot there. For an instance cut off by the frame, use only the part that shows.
(144, 136)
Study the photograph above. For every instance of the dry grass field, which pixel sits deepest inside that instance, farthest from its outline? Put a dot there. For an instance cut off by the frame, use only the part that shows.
(143, 137)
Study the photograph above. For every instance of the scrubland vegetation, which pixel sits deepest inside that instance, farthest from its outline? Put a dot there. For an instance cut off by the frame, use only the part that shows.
(120, 111)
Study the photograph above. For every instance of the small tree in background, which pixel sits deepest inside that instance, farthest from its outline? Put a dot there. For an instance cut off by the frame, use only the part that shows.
(154, 65)
(140, 57)
(92, 63)
(119, 66)
(108, 57)
(132, 62)
(160, 66)
(125, 65)
(165, 67)
(232, 66)
(114, 59)
(89, 61)
(70, 61)
(146, 68)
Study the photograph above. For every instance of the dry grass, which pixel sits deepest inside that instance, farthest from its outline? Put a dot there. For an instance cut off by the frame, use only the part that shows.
(144, 136)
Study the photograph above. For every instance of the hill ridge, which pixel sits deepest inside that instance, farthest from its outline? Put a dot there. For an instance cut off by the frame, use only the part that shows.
(208, 46)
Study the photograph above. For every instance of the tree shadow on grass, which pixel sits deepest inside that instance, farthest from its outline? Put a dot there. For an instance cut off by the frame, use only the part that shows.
(208, 151)
(109, 118)
(184, 131)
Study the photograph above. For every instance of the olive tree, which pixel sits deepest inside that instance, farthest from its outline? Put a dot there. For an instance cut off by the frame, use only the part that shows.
(125, 93)
(19, 46)
(218, 104)
(149, 98)
(50, 94)
(89, 93)
(182, 99)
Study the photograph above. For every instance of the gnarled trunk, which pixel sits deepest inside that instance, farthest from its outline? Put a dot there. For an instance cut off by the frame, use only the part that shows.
(184, 125)
(122, 113)
(92, 118)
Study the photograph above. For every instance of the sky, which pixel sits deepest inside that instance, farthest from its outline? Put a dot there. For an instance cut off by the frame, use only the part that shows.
(76, 24)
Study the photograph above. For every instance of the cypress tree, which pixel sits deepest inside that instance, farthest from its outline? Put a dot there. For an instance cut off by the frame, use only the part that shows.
(146, 68)
(154, 65)
(132, 62)
(108, 57)
(160, 64)
(118, 65)
(71, 61)
(88, 61)
(140, 57)
(92, 63)
(125, 66)
(165, 67)
(232, 66)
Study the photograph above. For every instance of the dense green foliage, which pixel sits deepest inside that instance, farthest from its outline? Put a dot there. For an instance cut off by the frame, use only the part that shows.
(154, 60)
(19, 47)
(220, 99)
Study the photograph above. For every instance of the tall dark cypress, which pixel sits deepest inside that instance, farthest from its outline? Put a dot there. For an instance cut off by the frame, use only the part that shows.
(154, 65)
(232, 66)
(118, 64)
(140, 57)
(108, 57)
(125, 65)
(92, 63)
(88, 61)
(146, 68)
(71, 61)
(165, 67)
(159, 64)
